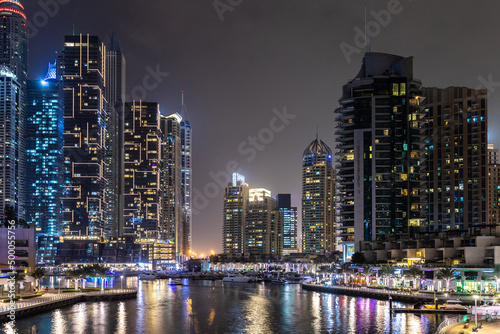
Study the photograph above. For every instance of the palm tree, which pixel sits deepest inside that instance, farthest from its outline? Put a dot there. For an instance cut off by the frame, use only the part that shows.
(414, 273)
(447, 273)
(496, 273)
(18, 278)
(367, 271)
(387, 273)
(37, 275)
(76, 274)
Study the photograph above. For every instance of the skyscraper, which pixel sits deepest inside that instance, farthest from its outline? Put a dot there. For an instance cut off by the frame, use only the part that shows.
(12, 144)
(44, 125)
(82, 68)
(318, 199)
(143, 174)
(115, 95)
(186, 173)
(174, 217)
(236, 196)
(493, 186)
(380, 142)
(457, 165)
(14, 61)
(288, 218)
(262, 233)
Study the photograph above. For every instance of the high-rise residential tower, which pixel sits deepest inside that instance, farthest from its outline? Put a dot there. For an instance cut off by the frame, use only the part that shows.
(174, 214)
(14, 62)
(493, 186)
(236, 196)
(186, 174)
(82, 68)
(143, 172)
(288, 219)
(44, 168)
(379, 149)
(457, 166)
(318, 199)
(12, 143)
(262, 230)
(115, 95)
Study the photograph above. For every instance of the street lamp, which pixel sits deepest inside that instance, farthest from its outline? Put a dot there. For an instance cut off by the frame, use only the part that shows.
(475, 308)
(121, 281)
(59, 284)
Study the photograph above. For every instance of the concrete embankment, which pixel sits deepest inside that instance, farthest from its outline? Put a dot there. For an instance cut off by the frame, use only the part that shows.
(37, 305)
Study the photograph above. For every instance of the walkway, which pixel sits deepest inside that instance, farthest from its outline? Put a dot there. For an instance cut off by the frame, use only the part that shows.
(488, 328)
(51, 300)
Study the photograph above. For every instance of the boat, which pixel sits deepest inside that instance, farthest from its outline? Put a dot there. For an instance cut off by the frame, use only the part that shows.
(177, 281)
(236, 278)
(147, 276)
(452, 305)
(278, 280)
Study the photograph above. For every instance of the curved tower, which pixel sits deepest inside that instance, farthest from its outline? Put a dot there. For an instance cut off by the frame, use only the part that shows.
(14, 61)
(318, 199)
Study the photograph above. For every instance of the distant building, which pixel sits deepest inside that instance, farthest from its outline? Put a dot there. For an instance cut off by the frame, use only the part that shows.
(318, 199)
(456, 158)
(288, 218)
(82, 68)
(263, 229)
(379, 148)
(493, 186)
(236, 196)
(44, 153)
(186, 175)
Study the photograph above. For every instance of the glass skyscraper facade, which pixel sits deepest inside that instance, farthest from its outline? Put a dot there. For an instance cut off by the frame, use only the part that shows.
(13, 73)
(82, 67)
(44, 125)
(288, 218)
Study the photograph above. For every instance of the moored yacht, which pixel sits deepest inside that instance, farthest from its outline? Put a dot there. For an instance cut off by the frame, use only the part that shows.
(236, 278)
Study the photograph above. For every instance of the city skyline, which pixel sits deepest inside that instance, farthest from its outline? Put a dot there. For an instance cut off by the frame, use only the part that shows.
(307, 80)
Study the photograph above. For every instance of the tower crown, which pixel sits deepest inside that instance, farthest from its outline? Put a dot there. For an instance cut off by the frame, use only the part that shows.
(317, 147)
(12, 7)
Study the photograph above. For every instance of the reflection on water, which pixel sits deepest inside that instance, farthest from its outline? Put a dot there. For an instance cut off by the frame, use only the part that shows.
(214, 307)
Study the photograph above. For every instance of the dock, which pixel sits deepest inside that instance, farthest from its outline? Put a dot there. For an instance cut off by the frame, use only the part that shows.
(48, 302)
(428, 311)
(397, 296)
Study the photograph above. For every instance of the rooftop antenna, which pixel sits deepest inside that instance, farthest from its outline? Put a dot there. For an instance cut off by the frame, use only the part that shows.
(367, 42)
(316, 132)
(182, 97)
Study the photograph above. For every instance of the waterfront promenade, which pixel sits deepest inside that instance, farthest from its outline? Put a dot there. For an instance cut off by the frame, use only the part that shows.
(50, 301)
(381, 294)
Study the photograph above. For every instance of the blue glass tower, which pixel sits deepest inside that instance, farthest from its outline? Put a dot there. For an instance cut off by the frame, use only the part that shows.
(288, 217)
(44, 125)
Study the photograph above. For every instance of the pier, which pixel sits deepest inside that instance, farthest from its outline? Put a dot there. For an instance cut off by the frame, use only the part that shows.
(51, 301)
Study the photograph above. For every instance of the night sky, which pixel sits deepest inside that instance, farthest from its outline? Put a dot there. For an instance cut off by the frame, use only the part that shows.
(271, 55)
